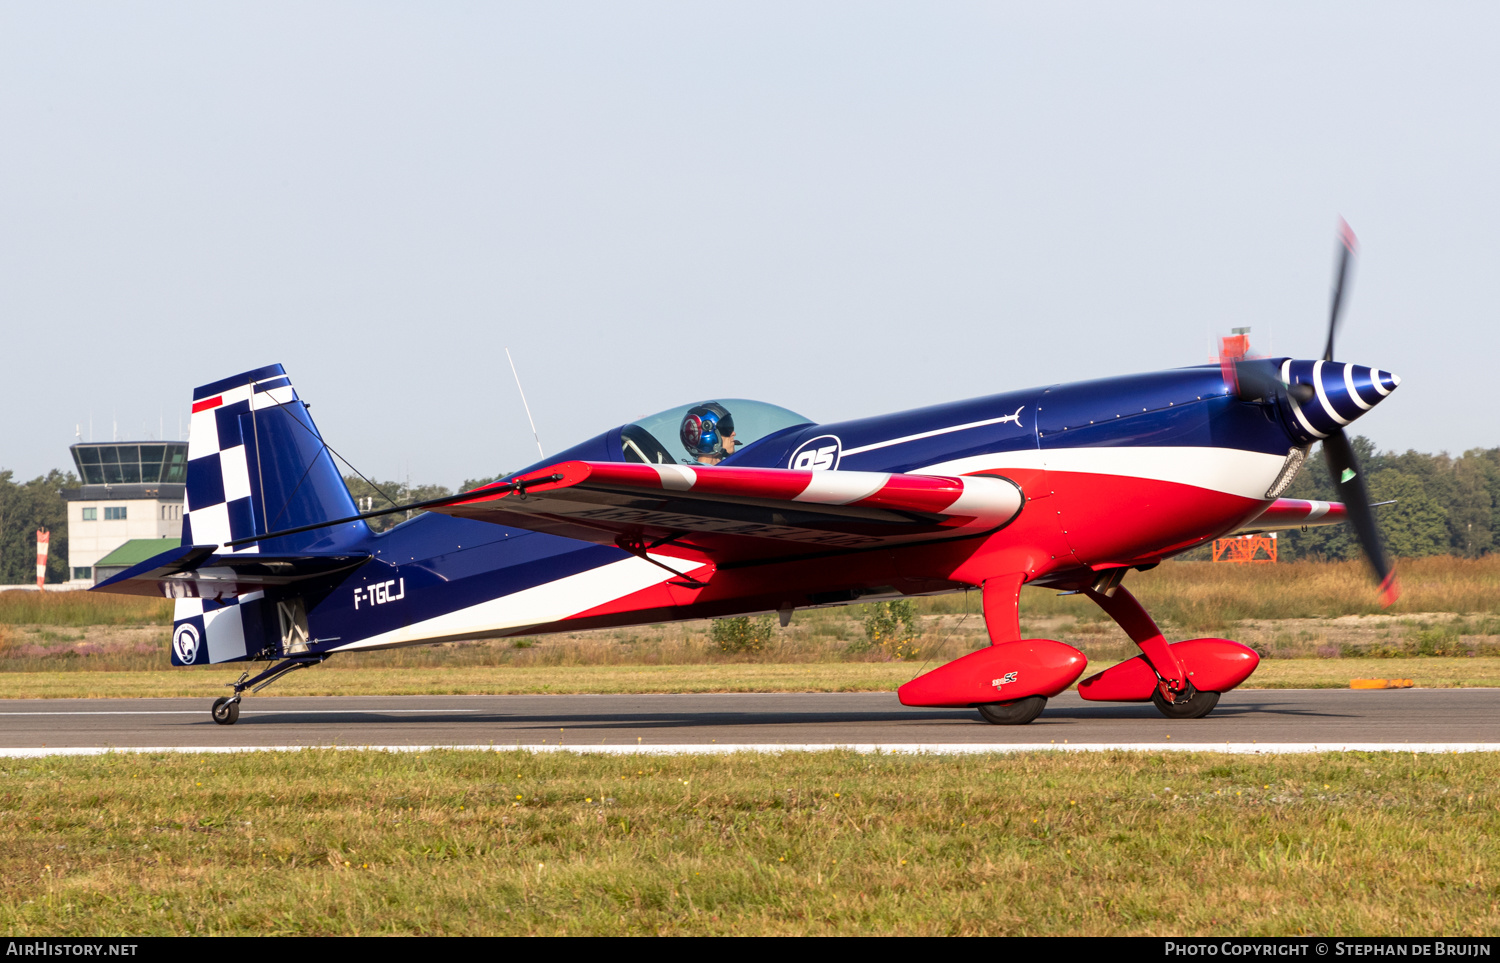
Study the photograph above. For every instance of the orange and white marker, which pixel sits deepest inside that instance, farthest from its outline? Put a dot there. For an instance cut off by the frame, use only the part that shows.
(42, 535)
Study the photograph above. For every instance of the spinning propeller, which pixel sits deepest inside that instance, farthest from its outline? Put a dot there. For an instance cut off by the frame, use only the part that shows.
(1339, 454)
(1323, 397)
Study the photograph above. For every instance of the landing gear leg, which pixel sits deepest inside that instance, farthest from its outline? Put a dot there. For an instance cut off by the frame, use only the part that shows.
(1002, 619)
(1010, 681)
(226, 710)
(1175, 697)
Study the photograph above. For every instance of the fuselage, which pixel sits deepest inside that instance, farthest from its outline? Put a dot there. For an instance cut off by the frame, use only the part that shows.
(1118, 472)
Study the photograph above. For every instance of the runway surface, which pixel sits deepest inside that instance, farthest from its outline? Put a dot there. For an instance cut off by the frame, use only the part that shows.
(1248, 720)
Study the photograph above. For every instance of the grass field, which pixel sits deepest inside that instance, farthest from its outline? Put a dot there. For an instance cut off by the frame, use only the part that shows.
(325, 842)
(1315, 624)
(449, 842)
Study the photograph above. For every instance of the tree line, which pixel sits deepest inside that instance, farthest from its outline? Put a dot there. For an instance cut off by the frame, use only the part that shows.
(29, 505)
(24, 508)
(1442, 506)
(375, 495)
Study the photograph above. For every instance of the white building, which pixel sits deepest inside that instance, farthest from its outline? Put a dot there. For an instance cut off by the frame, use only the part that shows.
(131, 490)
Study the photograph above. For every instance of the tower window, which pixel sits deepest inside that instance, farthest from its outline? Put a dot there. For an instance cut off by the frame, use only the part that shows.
(91, 514)
(116, 513)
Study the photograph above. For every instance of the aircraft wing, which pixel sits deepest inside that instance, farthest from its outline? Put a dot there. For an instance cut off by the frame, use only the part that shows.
(1294, 513)
(723, 514)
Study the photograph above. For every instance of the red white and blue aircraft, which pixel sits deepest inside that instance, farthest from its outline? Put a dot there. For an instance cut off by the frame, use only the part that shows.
(732, 507)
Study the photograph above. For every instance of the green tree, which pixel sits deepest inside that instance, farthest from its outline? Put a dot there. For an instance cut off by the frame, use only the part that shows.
(1472, 513)
(1417, 524)
(24, 508)
(469, 484)
(1314, 482)
(389, 494)
(743, 634)
(892, 627)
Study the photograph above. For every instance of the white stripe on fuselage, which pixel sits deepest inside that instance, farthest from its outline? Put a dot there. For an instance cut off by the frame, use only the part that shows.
(1014, 417)
(1230, 470)
(539, 605)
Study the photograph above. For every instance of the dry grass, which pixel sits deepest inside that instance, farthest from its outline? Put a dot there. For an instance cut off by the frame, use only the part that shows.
(82, 608)
(1189, 594)
(1203, 596)
(463, 843)
(85, 643)
(332, 679)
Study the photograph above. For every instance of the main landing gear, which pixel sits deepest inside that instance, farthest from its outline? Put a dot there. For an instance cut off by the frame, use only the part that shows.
(1187, 704)
(1017, 713)
(1010, 681)
(226, 710)
(1164, 668)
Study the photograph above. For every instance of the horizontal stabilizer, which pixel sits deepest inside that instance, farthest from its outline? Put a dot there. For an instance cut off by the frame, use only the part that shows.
(197, 572)
(741, 513)
(1294, 513)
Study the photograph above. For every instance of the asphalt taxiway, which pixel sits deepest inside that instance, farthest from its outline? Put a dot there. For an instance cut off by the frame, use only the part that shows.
(1246, 720)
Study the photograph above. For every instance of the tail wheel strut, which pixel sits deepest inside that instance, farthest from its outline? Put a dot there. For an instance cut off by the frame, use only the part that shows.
(226, 710)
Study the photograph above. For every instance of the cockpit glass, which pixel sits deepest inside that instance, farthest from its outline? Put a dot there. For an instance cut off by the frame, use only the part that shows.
(714, 429)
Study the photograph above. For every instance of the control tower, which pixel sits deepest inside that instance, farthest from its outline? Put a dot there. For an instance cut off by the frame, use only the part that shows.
(130, 505)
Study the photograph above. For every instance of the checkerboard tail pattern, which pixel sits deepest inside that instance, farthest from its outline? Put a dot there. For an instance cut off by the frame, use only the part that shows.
(256, 464)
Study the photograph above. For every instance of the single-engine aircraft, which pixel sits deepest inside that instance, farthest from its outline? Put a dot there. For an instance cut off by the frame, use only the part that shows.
(730, 507)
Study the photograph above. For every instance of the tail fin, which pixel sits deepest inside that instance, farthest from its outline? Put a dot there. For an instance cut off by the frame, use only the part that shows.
(256, 464)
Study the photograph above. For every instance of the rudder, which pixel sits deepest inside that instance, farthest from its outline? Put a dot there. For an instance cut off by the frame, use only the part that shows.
(256, 464)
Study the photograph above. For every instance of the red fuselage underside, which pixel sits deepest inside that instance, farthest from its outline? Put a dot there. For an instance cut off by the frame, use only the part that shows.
(1073, 524)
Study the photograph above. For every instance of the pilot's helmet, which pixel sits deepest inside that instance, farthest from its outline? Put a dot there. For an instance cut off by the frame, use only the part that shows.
(704, 429)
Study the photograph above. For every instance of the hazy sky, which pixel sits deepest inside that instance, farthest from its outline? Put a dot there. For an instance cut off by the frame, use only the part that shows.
(844, 209)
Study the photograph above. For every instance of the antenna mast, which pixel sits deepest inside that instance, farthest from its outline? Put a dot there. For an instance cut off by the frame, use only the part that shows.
(524, 404)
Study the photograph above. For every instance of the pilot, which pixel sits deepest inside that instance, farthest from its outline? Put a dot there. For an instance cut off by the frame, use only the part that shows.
(708, 433)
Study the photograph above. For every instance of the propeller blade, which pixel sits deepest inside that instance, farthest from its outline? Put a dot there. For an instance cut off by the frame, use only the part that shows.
(1246, 377)
(1348, 246)
(1256, 379)
(1344, 468)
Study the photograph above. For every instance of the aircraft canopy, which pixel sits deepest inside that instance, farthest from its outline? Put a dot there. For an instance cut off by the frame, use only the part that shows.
(658, 439)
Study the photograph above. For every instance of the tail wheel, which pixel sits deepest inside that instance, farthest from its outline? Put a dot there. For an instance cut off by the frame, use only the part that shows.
(1017, 713)
(1189, 704)
(226, 711)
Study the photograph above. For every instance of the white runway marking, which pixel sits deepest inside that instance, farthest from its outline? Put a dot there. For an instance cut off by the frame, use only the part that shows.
(936, 749)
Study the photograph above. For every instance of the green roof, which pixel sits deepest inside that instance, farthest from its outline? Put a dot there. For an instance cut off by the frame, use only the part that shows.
(137, 550)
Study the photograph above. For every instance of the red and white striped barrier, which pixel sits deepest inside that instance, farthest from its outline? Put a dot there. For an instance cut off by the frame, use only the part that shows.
(42, 536)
